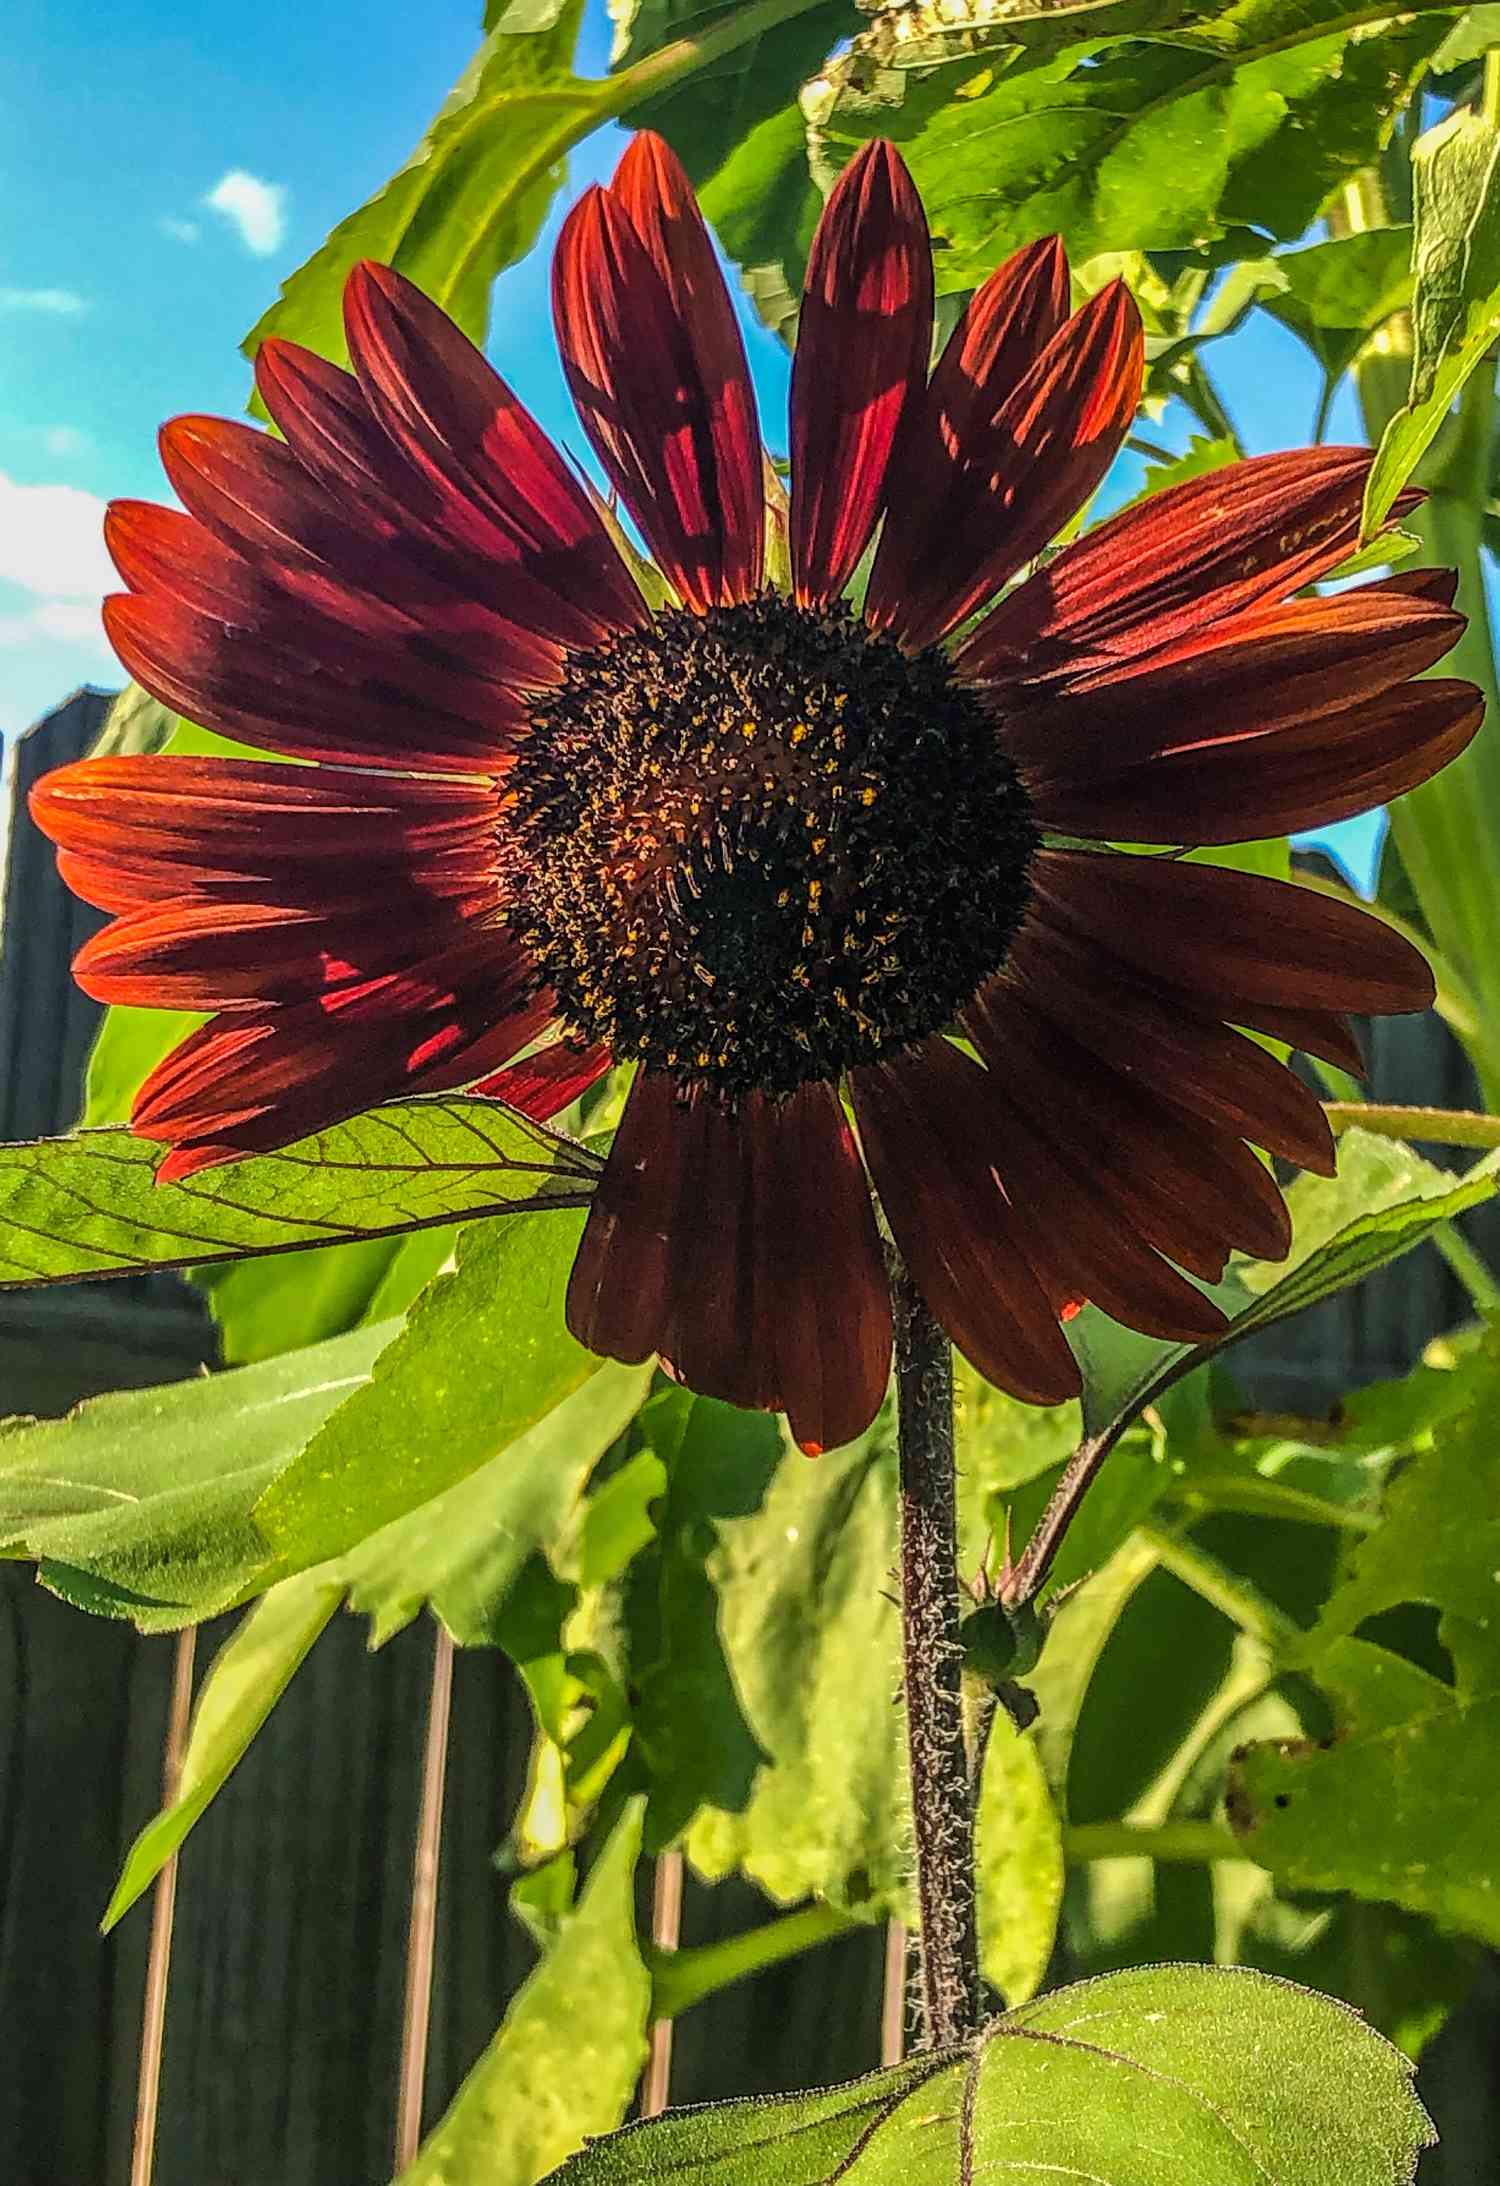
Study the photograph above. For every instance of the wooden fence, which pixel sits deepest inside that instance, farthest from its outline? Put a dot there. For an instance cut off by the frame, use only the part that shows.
(284, 2020)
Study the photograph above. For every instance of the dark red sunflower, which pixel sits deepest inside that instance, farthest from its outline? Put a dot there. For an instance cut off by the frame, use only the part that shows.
(782, 852)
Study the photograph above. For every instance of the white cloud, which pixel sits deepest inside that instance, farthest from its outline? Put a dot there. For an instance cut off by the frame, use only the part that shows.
(256, 209)
(53, 303)
(181, 231)
(52, 542)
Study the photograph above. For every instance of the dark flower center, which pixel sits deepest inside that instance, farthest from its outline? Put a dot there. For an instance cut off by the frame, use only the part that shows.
(757, 846)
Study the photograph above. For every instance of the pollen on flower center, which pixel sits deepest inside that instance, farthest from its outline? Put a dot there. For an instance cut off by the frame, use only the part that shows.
(757, 846)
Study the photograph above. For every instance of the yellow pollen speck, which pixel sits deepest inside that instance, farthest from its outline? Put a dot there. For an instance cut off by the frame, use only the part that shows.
(819, 844)
(868, 796)
(801, 733)
(783, 899)
(747, 729)
(814, 890)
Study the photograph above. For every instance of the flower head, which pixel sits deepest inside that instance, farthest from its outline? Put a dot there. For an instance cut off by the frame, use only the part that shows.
(796, 859)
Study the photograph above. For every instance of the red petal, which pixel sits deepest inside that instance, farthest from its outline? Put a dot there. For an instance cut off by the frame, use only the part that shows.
(1009, 486)
(1237, 943)
(1260, 673)
(1305, 776)
(264, 1079)
(252, 494)
(743, 1247)
(1173, 564)
(863, 343)
(931, 1142)
(504, 490)
(547, 1082)
(332, 704)
(1188, 1189)
(717, 429)
(1207, 1069)
(1077, 1244)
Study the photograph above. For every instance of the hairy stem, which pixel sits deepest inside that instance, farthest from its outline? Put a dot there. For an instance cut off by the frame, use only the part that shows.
(942, 1810)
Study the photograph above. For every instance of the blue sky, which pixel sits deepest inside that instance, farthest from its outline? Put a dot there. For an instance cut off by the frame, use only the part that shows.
(164, 166)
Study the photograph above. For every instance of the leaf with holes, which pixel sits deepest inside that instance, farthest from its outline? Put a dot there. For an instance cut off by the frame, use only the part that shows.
(1197, 2073)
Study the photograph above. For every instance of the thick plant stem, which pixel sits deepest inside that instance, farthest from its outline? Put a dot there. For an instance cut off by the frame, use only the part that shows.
(942, 1810)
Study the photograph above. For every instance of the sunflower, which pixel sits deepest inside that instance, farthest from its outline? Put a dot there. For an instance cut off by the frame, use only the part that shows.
(835, 874)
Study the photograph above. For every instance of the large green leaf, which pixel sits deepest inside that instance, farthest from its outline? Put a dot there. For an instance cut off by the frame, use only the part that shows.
(1456, 295)
(484, 1355)
(565, 2061)
(1218, 2077)
(460, 1552)
(90, 1205)
(247, 1678)
(1245, 114)
(459, 1555)
(1398, 1803)
(713, 113)
(139, 1502)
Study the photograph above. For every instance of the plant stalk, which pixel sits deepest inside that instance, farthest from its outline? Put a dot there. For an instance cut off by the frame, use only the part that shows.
(159, 1960)
(932, 1656)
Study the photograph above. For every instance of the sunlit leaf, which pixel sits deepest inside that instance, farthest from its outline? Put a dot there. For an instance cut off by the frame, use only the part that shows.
(484, 1356)
(1191, 2072)
(1456, 295)
(90, 1204)
(149, 1492)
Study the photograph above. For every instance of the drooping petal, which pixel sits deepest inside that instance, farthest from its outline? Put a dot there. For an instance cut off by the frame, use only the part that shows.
(1078, 1245)
(503, 488)
(1189, 1189)
(931, 1142)
(549, 1081)
(262, 1079)
(1015, 479)
(1190, 1058)
(863, 341)
(1237, 944)
(1259, 673)
(713, 433)
(742, 1246)
(1308, 775)
(1175, 563)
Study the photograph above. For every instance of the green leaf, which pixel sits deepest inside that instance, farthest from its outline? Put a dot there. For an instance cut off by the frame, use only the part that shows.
(483, 1357)
(1334, 295)
(1190, 2072)
(249, 1675)
(565, 2061)
(90, 1204)
(150, 1491)
(1396, 1804)
(1384, 1200)
(1201, 456)
(708, 117)
(461, 1551)
(1472, 36)
(1456, 293)
(1249, 113)
(264, 1307)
